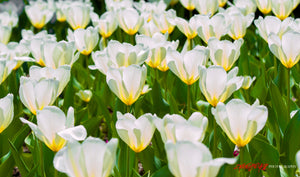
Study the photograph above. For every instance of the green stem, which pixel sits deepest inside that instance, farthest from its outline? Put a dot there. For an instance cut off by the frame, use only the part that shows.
(105, 41)
(128, 109)
(128, 161)
(288, 91)
(41, 156)
(55, 173)
(132, 39)
(191, 13)
(188, 100)
(242, 161)
(189, 47)
(215, 139)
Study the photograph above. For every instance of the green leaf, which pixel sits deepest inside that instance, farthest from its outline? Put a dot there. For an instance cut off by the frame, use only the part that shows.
(291, 143)
(279, 107)
(18, 159)
(163, 172)
(147, 159)
(269, 154)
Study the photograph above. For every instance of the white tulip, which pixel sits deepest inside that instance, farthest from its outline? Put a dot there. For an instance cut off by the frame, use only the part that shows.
(85, 95)
(207, 7)
(240, 121)
(61, 74)
(298, 159)
(130, 20)
(185, 65)
(165, 21)
(272, 24)
(176, 128)
(9, 18)
(265, 6)
(217, 85)
(6, 66)
(247, 82)
(188, 4)
(188, 28)
(5, 33)
(224, 53)
(39, 13)
(282, 8)
(158, 46)
(35, 95)
(127, 83)
(78, 14)
(6, 111)
(286, 49)
(215, 26)
(136, 133)
(191, 159)
(93, 157)
(51, 121)
(85, 39)
(106, 24)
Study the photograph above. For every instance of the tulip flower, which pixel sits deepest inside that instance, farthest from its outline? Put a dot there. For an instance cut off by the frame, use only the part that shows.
(224, 53)
(165, 21)
(6, 66)
(15, 51)
(5, 33)
(185, 65)
(176, 128)
(85, 39)
(246, 7)
(85, 95)
(193, 159)
(238, 21)
(61, 8)
(265, 6)
(146, 9)
(188, 4)
(282, 8)
(130, 20)
(240, 121)
(78, 14)
(6, 111)
(247, 82)
(188, 28)
(127, 83)
(35, 95)
(136, 133)
(215, 26)
(158, 46)
(271, 24)
(295, 4)
(93, 157)
(298, 159)
(217, 85)
(39, 13)
(207, 7)
(222, 3)
(106, 24)
(115, 5)
(51, 121)
(28, 36)
(286, 49)
(9, 18)
(65, 50)
(148, 28)
(125, 54)
(61, 74)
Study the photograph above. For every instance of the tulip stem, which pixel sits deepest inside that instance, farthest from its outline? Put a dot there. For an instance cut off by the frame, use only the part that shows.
(288, 91)
(41, 156)
(104, 41)
(191, 13)
(128, 109)
(189, 43)
(188, 100)
(132, 39)
(55, 173)
(215, 139)
(242, 161)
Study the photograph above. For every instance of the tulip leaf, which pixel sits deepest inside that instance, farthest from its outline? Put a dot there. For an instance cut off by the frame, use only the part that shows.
(164, 171)
(291, 143)
(18, 159)
(260, 88)
(279, 107)
(147, 159)
(32, 171)
(269, 154)
(160, 107)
